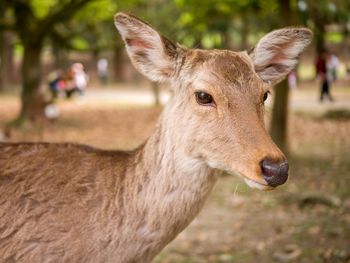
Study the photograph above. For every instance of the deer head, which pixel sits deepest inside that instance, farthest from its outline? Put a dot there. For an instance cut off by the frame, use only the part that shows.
(216, 112)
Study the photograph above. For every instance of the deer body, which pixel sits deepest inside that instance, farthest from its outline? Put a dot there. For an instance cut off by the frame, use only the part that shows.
(73, 203)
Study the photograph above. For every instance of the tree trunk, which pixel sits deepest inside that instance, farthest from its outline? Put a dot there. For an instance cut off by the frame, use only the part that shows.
(95, 53)
(32, 32)
(319, 21)
(6, 60)
(279, 121)
(33, 103)
(279, 124)
(346, 52)
(61, 61)
(2, 51)
(319, 37)
(118, 63)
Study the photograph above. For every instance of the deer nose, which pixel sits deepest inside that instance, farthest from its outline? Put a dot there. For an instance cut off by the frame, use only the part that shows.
(274, 173)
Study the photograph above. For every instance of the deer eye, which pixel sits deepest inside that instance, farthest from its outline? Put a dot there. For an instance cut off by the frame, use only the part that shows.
(203, 98)
(266, 95)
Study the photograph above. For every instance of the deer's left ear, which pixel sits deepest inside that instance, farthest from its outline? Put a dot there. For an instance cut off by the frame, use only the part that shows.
(277, 53)
(151, 54)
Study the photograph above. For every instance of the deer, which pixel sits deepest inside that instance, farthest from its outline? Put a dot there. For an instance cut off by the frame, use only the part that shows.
(66, 202)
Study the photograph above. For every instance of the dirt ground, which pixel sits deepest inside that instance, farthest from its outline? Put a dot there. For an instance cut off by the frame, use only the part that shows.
(306, 221)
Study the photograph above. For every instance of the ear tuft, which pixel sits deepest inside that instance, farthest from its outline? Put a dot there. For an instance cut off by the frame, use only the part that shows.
(151, 54)
(277, 53)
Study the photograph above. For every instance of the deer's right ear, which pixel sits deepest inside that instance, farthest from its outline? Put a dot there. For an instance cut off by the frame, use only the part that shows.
(151, 54)
(277, 53)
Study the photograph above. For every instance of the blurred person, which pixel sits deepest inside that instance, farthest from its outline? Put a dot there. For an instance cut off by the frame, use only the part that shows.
(78, 80)
(322, 74)
(56, 82)
(70, 85)
(334, 66)
(102, 70)
(292, 79)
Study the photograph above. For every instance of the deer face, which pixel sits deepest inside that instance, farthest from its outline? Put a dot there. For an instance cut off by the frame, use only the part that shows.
(222, 115)
(217, 111)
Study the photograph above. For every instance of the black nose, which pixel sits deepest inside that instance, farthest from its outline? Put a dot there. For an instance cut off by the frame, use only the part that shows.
(274, 173)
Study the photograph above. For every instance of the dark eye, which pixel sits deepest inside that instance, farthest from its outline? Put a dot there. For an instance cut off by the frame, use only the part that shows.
(266, 95)
(204, 98)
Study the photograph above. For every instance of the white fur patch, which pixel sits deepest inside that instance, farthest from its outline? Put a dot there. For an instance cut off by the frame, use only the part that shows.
(254, 184)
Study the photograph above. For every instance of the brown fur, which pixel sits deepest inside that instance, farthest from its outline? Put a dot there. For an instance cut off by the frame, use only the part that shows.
(74, 203)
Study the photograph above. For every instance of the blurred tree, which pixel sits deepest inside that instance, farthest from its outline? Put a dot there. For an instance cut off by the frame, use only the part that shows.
(316, 15)
(319, 14)
(7, 40)
(86, 25)
(217, 24)
(206, 23)
(279, 121)
(93, 28)
(34, 21)
(100, 33)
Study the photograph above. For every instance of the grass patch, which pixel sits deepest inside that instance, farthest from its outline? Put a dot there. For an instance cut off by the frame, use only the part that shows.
(337, 114)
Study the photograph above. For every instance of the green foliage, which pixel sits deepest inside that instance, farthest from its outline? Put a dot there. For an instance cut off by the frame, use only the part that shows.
(334, 37)
(96, 12)
(205, 23)
(41, 8)
(212, 23)
(211, 40)
(80, 43)
(268, 7)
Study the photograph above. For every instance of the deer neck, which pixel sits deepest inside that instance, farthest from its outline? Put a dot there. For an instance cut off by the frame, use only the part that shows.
(174, 185)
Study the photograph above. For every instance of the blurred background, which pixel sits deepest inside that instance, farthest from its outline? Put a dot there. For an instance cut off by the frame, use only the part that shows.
(65, 76)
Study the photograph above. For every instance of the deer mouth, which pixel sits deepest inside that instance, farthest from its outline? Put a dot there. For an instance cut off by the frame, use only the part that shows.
(250, 182)
(254, 184)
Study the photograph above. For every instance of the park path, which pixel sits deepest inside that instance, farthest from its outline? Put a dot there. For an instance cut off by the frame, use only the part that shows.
(122, 96)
